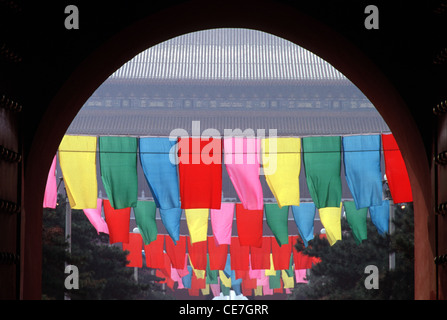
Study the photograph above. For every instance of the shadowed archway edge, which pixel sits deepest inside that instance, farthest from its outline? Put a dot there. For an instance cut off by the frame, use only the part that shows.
(280, 20)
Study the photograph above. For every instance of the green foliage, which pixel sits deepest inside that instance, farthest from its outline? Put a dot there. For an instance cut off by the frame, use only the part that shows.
(54, 254)
(102, 267)
(341, 272)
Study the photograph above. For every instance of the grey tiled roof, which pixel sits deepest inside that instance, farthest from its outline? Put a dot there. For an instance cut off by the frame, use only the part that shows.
(146, 121)
(227, 54)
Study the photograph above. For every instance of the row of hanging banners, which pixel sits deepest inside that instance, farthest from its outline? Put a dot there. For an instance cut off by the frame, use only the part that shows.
(189, 180)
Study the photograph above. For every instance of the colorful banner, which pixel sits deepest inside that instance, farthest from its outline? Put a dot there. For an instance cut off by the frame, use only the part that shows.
(281, 158)
(396, 171)
(134, 247)
(118, 163)
(157, 157)
(200, 172)
(330, 218)
(361, 158)
(176, 252)
(357, 220)
(242, 163)
(118, 222)
(380, 216)
(77, 158)
(50, 196)
(249, 226)
(94, 216)
(304, 216)
(277, 220)
(197, 221)
(322, 161)
(145, 220)
(222, 222)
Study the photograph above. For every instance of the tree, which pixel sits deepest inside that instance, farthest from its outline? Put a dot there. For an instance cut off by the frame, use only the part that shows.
(54, 254)
(102, 267)
(341, 272)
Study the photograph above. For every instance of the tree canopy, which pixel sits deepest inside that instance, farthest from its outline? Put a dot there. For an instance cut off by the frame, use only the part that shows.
(341, 273)
(102, 267)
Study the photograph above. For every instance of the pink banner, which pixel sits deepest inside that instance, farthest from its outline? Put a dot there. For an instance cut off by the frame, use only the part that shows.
(222, 223)
(50, 197)
(94, 216)
(243, 165)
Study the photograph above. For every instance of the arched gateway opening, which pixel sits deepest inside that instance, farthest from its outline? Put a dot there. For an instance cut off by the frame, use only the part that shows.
(281, 21)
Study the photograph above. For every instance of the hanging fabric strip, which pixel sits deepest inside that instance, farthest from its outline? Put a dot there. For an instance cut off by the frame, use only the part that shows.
(135, 247)
(166, 270)
(263, 280)
(197, 253)
(330, 218)
(240, 274)
(300, 260)
(145, 220)
(260, 256)
(256, 273)
(194, 292)
(304, 216)
(361, 158)
(280, 289)
(239, 255)
(176, 278)
(275, 280)
(281, 255)
(224, 279)
(200, 274)
(211, 275)
(235, 283)
(171, 221)
(249, 283)
(206, 290)
(176, 252)
(184, 271)
(154, 253)
(246, 290)
(225, 276)
(118, 222)
(50, 196)
(281, 159)
(301, 276)
(357, 220)
(217, 254)
(380, 216)
(271, 271)
(396, 171)
(186, 280)
(94, 216)
(249, 226)
(322, 161)
(243, 165)
(197, 283)
(215, 288)
(118, 162)
(197, 221)
(227, 269)
(287, 280)
(160, 274)
(200, 172)
(222, 222)
(277, 220)
(77, 159)
(157, 157)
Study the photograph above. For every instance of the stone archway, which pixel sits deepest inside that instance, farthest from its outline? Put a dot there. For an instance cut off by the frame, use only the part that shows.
(280, 20)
